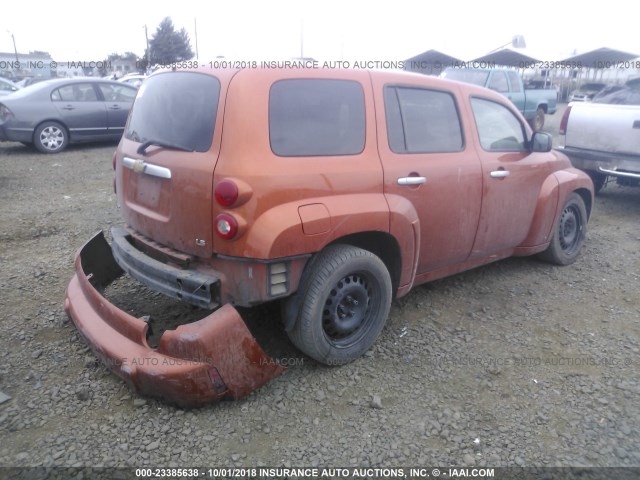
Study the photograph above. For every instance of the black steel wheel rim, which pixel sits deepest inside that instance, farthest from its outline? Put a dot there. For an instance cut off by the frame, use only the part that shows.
(570, 229)
(347, 313)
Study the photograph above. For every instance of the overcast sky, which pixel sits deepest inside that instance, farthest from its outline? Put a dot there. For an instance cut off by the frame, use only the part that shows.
(332, 29)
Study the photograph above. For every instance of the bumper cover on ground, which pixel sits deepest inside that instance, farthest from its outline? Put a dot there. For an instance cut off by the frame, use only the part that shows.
(213, 358)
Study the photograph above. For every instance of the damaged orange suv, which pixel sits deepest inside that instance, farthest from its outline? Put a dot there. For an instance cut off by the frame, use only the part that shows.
(331, 190)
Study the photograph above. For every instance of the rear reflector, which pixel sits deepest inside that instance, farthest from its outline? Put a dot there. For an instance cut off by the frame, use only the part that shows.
(564, 121)
(226, 226)
(278, 279)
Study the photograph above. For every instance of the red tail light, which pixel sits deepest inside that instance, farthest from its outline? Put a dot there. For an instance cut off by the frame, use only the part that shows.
(226, 226)
(564, 121)
(226, 193)
(5, 114)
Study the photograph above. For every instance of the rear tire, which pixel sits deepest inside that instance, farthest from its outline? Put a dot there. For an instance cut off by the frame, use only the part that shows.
(50, 137)
(569, 233)
(343, 305)
(537, 122)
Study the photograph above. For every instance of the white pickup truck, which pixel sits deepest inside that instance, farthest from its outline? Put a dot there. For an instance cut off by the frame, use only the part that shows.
(603, 137)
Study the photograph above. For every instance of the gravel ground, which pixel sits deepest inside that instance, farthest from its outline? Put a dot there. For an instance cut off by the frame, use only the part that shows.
(517, 363)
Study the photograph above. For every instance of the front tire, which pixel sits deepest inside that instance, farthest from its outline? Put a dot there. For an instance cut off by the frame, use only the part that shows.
(50, 137)
(344, 302)
(569, 233)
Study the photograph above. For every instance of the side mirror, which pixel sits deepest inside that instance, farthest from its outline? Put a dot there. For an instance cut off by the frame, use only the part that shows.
(541, 142)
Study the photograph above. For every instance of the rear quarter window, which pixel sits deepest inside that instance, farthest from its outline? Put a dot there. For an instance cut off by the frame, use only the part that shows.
(316, 117)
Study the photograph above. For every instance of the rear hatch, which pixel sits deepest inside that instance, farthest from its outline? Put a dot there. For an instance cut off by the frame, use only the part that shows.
(166, 159)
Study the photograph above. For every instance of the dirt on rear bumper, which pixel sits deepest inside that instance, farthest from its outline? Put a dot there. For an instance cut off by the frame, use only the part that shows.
(200, 362)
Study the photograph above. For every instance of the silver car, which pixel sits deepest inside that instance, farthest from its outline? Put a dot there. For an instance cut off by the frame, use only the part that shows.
(53, 113)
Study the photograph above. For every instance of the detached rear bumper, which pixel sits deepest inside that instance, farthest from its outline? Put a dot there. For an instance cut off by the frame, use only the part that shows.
(214, 358)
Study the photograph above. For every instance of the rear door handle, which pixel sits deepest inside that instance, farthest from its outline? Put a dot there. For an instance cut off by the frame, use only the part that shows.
(412, 180)
(500, 173)
(114, 107)
(68, 107)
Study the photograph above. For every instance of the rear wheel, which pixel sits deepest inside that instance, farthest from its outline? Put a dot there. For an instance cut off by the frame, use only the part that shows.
(343, 305)
(538, 121)
(50, 137)
(568, 233)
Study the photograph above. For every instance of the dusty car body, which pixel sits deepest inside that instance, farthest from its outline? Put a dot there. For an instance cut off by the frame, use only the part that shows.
(333, 191)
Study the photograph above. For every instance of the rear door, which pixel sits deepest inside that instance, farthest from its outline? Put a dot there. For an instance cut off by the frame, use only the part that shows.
(165, 189)
(81, 110)
(428, 164)
(516, 93)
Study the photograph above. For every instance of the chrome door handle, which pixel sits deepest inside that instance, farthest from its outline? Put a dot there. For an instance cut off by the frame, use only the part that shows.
(499, 173)
(412, 180)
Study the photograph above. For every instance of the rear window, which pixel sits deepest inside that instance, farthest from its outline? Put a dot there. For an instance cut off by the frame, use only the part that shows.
(477, 77)
(176, 107)
(315, 117)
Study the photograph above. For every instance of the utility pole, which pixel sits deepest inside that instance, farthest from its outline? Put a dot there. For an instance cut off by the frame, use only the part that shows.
(14, 45)
(195, 28)
(146, 36)
(302, 37)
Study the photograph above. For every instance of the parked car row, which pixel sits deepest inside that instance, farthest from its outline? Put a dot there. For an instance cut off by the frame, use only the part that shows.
(586, 92)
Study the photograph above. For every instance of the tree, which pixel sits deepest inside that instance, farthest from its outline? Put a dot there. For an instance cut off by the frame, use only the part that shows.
(168, 45)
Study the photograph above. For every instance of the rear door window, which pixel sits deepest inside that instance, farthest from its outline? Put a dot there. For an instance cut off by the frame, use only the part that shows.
(76, 92)
(316, 117)
(422, 121)
(499, 82)
(514, 80)
(176, 107)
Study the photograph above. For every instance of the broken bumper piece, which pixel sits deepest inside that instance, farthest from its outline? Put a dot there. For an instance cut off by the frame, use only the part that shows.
(200, 362)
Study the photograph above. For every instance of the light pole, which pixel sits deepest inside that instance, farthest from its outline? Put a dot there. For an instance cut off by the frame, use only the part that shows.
(516, 42)
(146, 36)
(195, 29)
(14, 45)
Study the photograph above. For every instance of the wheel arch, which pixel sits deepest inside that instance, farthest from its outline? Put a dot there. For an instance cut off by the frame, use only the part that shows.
(381, 244)
(587, 198)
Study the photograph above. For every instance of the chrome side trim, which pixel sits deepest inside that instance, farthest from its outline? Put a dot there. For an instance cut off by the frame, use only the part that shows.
(140, 166)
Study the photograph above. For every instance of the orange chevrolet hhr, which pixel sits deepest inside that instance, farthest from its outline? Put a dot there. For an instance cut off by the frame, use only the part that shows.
(331, 190)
